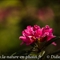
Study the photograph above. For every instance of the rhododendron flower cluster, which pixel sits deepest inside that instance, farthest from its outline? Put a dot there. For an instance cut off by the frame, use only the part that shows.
(45, 14)
(36, 33)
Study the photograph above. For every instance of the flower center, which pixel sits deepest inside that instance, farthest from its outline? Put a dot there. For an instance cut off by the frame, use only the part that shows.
(38, 39)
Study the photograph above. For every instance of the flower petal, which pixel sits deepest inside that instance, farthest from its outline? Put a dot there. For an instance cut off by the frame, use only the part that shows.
(54, 43)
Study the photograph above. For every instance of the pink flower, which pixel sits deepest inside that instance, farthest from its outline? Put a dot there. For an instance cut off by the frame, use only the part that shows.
(27, 35)
(35, 33)
(45, 14)
(47, 32)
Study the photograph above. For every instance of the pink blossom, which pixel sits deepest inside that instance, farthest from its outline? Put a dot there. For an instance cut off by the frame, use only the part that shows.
(47, 32)
(45, 14)
(32, 34)
(27, 35)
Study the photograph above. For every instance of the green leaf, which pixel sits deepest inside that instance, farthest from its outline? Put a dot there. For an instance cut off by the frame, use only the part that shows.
(42, 53)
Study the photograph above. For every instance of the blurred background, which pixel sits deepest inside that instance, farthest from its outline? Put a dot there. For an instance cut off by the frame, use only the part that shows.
(15, 15)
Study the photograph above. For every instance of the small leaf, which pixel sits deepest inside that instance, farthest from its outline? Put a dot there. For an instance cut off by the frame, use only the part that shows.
(23, 52)
(19, 53)
(42, 53)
